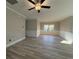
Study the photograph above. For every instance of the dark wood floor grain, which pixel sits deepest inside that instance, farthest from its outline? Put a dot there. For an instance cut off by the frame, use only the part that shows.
(43, 47)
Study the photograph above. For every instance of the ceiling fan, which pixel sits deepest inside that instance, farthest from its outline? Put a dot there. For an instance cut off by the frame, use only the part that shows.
(38, 5)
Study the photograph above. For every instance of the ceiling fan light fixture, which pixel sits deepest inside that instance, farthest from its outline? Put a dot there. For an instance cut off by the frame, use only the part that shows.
(38, 6)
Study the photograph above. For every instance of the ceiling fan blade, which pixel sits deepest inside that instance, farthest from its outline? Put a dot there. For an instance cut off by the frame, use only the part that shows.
(38, 11)
(31, 2)
(31, 8)
(45, 7)
(42, 1)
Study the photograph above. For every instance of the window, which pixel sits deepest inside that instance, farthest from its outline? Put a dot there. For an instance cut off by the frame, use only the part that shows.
(48, 28)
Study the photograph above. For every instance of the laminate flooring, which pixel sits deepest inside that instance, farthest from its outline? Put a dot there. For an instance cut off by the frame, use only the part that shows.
(43, 47)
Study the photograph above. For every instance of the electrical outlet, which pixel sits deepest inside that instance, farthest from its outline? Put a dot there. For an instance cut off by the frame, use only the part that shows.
(10, 40)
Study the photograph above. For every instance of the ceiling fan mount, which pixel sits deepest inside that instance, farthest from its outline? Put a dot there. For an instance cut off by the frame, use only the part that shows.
(38, 5)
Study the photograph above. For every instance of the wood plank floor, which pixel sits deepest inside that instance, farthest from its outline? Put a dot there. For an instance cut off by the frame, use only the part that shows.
(43, 47)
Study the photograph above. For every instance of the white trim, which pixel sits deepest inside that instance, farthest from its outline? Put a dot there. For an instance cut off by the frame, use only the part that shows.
(16, 11)
(8, 45)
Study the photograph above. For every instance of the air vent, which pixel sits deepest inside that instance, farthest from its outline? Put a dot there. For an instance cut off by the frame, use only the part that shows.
(12, 1)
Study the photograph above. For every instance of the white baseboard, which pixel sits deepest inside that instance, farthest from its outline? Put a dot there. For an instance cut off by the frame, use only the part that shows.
(8, 45)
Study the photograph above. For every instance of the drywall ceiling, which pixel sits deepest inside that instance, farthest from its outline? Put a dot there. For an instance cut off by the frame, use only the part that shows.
(59, 10)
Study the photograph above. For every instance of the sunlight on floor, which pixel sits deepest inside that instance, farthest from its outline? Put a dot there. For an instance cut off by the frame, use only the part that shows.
(66, 42)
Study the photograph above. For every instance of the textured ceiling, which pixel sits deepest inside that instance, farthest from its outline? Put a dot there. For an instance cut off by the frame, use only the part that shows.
(59, 10)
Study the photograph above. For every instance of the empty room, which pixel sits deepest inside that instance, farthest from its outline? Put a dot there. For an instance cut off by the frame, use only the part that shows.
(39, 29)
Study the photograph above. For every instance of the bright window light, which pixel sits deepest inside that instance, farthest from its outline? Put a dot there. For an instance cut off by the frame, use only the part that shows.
(66, 42)
(48, 28)
(51, 28)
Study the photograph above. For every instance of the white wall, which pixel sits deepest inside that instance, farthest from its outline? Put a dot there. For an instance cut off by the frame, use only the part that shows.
(66, 28)
(15, 27)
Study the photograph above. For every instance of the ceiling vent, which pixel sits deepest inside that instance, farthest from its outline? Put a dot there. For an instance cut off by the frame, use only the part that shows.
(12, 1)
